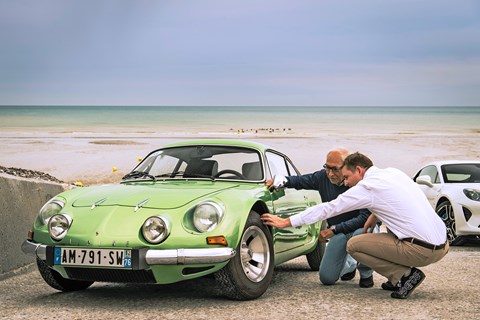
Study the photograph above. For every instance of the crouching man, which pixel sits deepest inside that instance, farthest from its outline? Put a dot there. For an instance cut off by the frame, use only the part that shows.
(416, 236)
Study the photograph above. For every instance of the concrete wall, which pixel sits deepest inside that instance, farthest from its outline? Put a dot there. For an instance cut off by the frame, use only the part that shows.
(20, 201)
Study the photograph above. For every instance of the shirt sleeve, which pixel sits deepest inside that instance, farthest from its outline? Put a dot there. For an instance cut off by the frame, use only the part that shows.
(357, 197)
(307, 181)
(354, 223)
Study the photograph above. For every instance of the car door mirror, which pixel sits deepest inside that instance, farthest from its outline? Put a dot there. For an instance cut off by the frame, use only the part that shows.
(425, 180)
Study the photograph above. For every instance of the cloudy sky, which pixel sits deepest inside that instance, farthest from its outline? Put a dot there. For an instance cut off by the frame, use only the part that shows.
(240, 52)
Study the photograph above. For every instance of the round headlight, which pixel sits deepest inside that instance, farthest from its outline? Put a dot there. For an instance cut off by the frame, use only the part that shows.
(58, 226)
(49, 209)
(207, 216)
(155, 229)
(472, 194)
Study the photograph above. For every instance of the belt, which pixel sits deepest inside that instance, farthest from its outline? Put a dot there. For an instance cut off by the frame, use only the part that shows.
(425, 244)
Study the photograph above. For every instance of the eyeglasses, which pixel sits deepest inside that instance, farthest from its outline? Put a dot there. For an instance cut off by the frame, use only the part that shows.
(334, 169)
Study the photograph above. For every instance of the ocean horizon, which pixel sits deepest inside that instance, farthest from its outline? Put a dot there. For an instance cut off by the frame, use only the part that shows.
(154, 121)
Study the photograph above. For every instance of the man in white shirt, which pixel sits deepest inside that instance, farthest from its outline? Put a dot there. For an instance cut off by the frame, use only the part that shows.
(416, 236)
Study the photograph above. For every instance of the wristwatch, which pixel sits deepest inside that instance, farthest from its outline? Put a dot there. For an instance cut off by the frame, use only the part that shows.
(333, 229)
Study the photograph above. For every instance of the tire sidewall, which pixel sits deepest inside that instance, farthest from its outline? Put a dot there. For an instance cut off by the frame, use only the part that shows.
(247, 287)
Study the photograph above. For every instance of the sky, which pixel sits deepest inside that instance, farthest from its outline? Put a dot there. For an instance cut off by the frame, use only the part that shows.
(240, 52)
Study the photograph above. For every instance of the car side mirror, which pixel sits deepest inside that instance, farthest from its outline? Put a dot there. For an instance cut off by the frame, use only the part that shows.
(425, 180)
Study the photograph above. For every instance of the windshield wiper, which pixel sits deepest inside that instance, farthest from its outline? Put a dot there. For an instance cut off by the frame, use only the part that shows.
(138, 174)
(199, 175)
(169, 175)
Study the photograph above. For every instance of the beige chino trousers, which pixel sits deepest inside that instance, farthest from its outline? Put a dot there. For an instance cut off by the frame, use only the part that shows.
(389, 256)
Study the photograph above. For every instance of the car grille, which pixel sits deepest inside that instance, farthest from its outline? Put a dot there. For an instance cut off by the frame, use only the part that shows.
(110, 275)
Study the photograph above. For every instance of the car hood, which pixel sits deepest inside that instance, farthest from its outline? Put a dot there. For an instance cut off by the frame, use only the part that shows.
(155, 195)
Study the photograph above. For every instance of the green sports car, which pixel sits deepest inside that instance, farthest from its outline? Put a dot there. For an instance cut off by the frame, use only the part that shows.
(188, 210)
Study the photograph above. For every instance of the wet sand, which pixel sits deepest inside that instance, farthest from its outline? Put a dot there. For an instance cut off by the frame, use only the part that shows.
(100, 159)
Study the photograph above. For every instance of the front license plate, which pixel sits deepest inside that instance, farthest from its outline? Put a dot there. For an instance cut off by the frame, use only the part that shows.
(111, 258)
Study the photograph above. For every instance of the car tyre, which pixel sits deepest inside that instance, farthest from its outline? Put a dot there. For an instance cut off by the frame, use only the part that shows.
(315, 257)
(445, 211)
(56, 281)
(249, 273)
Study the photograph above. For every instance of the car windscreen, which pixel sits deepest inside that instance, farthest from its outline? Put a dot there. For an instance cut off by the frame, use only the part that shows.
(461, 173)
(202, 161)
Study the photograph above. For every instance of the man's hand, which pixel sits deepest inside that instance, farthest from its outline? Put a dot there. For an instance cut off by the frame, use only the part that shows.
(277, 183)
(370, 224)
(274, 221)
(326, 234)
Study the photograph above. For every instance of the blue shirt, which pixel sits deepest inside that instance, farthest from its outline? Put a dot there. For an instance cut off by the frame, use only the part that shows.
(344, 223)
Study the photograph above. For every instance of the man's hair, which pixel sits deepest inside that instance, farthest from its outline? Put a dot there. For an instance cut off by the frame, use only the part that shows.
(357, 159)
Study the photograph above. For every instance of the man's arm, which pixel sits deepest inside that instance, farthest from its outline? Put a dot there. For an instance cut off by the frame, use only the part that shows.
(353, 199)
(354, 223)
(306, 182)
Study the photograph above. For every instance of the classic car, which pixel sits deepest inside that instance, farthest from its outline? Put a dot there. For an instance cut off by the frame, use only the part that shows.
(188, 210)
(453, 189)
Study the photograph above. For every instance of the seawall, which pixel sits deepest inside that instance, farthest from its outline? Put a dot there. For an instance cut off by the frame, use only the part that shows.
(20, 201)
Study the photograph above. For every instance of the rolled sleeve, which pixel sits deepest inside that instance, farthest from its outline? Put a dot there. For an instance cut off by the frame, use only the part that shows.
(355, 198)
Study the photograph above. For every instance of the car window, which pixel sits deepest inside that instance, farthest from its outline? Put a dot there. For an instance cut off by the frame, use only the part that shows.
(203, 161)
(291, 169)
(279, 165)
(430, 171)
(461, 173)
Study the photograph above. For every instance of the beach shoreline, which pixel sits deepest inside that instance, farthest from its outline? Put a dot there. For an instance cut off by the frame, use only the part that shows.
(96, 145)
(105, 159)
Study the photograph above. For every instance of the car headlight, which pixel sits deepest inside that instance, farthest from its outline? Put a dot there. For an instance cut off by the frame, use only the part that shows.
(207, 216)
(472, 194)
(155, 229)
(50, 209)
(58, 226)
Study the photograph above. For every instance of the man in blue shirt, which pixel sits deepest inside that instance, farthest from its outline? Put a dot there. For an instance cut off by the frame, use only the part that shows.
(336, 262)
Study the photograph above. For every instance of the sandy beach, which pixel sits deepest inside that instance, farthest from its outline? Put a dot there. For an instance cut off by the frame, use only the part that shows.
(97, 160)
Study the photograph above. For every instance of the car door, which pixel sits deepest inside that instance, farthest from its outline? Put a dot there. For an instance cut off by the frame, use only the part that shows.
(287, 202)
(430, 192)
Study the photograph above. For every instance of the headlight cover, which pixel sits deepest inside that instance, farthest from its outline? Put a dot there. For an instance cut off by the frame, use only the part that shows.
(155, 229)
(58, 226)
(472, 194)
(50, 209)
(207, 216)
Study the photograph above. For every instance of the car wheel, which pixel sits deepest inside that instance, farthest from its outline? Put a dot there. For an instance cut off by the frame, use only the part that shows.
(315, 257)
(445, 211)
(249, 273)
(56, 281)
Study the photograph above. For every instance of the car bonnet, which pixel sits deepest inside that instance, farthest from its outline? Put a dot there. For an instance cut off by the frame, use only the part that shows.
(158, 196)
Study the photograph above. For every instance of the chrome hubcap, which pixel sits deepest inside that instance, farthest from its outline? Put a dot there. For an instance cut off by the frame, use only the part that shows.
(254, 254)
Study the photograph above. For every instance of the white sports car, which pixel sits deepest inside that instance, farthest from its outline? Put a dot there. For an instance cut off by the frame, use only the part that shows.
(453, 189)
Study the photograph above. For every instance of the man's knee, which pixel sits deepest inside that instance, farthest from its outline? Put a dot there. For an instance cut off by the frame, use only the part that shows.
(352, 245)
(327, 279)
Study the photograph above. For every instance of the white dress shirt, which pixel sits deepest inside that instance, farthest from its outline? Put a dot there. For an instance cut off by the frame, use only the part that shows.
(393, 197)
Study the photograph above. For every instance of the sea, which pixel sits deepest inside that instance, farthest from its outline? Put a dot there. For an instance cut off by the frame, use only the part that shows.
(204, 121)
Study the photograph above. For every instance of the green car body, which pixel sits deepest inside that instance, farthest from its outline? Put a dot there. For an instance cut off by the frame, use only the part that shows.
(172, 219)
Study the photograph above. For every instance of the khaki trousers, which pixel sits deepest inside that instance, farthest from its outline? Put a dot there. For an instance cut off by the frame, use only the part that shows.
(389, 256)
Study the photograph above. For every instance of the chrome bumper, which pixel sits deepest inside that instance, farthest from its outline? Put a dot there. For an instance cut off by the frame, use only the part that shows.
(157, 257)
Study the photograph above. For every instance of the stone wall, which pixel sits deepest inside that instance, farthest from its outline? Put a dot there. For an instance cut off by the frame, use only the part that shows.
(20, 201)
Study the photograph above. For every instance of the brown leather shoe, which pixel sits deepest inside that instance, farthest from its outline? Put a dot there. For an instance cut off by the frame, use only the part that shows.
(366, 282)
(349, 276)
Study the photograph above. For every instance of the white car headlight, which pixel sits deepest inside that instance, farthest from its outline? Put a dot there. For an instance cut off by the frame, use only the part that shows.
(207, 216)
(155, 229)
(58, 226)
(50, 209)
(472, 194)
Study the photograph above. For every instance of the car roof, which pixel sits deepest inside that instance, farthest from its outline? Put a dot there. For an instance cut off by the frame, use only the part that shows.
(443, 162)
(221, 142)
